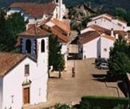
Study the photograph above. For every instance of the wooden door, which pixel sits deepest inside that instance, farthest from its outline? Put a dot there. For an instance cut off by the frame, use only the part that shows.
(26, 95)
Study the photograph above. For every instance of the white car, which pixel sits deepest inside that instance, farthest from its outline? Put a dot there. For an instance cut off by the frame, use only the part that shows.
(103, 66)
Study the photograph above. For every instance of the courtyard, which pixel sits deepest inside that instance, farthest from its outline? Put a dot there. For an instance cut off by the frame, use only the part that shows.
(87, 81)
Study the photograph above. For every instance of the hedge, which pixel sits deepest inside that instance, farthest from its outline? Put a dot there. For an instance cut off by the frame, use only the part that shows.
(103, 102)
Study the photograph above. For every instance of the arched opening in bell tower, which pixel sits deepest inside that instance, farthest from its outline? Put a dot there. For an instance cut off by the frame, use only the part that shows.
(28, 46)
(42, 46)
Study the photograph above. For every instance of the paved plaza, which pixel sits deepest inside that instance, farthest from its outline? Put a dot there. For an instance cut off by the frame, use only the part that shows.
(86, 82)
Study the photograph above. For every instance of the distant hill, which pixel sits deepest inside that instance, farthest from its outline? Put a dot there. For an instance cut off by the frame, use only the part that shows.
(108, 5)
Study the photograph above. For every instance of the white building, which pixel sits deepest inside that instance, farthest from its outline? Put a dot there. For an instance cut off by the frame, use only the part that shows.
(60, 30)
(92, 45)
(109, 22)
(99, 36)
(23, 77)
(34, 12)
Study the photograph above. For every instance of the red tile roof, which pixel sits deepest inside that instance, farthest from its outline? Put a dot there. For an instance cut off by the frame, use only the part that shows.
(57, 31)
(91, 35)
(63, 26)
(35, 9)
(60, 36)
(34, 31)
(88, 36)
(9, 61)
(100, 29)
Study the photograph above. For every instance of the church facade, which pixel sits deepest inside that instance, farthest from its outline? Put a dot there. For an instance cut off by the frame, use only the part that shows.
(24, 76)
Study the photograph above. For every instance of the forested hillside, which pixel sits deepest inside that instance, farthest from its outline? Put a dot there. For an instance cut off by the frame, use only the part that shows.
(108, 5)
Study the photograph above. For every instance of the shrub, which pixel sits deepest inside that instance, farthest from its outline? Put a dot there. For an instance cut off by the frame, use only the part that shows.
(61, 106)
(103, 102)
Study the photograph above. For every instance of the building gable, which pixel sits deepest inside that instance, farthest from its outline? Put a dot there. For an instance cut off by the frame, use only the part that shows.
(8, 61)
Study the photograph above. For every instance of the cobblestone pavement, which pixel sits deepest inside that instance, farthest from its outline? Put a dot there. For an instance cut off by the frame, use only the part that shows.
(86, 82)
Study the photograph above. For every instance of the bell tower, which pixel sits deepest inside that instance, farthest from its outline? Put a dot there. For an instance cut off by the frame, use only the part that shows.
(60, 8)
(34, 41)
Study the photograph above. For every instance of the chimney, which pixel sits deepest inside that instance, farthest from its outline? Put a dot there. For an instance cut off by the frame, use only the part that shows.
(117, 36)
(112, 32)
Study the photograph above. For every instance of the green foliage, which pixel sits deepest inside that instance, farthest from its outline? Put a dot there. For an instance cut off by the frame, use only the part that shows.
(74, 25)
(56, 59)
(120, 45)
(16, 23)
(119, 61)
(122, 14)
(62, 106)
(103, 102)
(10, 27)
(118, 107)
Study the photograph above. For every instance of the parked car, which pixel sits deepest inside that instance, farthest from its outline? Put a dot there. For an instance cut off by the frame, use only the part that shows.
(103, 65)
(100, 60)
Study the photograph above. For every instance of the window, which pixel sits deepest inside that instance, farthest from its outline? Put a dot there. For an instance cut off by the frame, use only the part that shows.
(28, 46)
(105, 49)
(42, 46)
(26, 70)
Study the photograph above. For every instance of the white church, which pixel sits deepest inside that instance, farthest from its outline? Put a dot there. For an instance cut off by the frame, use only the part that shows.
(35, 12)
(24, 76)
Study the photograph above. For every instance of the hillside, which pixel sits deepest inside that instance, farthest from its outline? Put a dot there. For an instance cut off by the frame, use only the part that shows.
(108, 5)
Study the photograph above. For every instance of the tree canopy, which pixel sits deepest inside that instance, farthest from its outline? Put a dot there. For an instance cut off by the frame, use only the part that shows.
(56, 59)
(10, 27)
(122, 14)
(119, 61)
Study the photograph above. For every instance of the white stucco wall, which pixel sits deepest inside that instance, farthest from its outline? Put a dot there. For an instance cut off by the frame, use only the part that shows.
(91, 49)
(64, 51)
(105, 47)
(12, 82)
(13, 10)
(13, 85)
(108, 24)
(86, 30)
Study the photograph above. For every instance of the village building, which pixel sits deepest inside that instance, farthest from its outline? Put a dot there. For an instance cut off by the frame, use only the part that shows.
(24, 76)
(109, 22)
(99, 36)
(60, 30)
(34, 12)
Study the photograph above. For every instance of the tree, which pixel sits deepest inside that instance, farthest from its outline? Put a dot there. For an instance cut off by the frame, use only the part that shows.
(123, 14)
(119, 62)
(10, 27)
(56, 59)
(120, 45)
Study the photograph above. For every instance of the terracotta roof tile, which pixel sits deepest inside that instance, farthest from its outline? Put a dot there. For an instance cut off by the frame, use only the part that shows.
(35, 9)
(60, 36)
(57, 32)
(100, 29)
(121, 33)
(88, 36)
(34, 31)
(91, 35)
(9, 61)
(61, 25)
